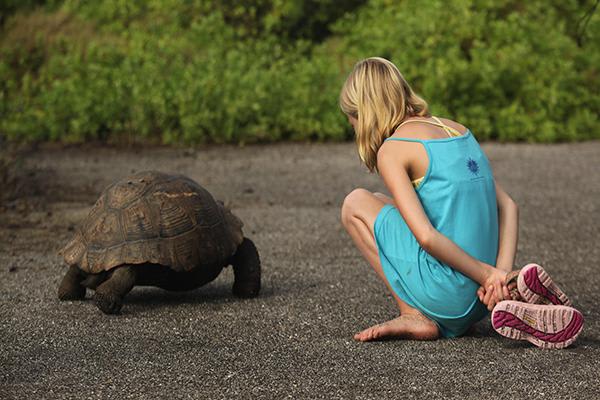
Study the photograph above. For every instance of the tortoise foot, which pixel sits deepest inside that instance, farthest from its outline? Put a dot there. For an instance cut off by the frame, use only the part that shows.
(108, 303)
(245, 291)
(246, 268)
(71, 293)
(70, 287)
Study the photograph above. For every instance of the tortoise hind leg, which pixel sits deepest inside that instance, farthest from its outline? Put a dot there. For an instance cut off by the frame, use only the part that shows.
(71, 288)
(109, 295)
(246, 268)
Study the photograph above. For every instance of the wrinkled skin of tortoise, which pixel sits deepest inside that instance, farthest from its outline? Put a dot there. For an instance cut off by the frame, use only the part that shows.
(154, 229)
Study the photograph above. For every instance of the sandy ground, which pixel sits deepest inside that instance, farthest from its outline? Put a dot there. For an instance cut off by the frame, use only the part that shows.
(295, 340)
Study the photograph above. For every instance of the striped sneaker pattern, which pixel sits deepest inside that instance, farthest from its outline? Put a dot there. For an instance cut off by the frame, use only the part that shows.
(546, 326)
(535, 286)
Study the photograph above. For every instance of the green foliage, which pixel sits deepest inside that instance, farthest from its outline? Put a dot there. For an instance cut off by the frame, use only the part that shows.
(512, 70)
(177, 71)
(7, 7)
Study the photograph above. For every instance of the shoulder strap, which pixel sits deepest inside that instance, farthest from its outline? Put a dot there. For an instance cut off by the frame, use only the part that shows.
(405, 140)
(449, 130)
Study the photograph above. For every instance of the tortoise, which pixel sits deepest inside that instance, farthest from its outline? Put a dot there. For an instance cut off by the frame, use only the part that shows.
(156, 229)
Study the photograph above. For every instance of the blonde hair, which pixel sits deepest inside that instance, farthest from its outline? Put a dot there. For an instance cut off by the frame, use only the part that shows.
(378, 96)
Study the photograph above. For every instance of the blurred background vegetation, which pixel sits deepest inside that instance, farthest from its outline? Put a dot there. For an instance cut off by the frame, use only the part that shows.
(196, 71)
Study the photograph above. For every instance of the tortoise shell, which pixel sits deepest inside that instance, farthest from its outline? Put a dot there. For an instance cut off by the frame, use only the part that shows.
(152, 217)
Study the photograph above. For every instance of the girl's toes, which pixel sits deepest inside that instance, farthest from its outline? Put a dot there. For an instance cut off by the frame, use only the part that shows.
(358, 336)
(375, 333)
(363, 335)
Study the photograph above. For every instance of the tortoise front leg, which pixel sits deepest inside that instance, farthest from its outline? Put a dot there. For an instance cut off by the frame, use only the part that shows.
(109, 295)
(246, 269)
(71, 288)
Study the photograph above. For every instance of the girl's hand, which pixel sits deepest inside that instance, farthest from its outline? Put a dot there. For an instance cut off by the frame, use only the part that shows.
(494, 289)
(511, 281)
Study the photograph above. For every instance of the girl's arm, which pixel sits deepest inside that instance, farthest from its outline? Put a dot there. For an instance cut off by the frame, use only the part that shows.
(508, 232)
(393, 165)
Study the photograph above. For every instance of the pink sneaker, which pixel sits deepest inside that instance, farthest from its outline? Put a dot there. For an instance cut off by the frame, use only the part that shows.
(546, 326)
(536, 287)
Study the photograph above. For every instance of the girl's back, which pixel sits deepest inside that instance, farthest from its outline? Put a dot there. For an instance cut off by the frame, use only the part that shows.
(455, 184)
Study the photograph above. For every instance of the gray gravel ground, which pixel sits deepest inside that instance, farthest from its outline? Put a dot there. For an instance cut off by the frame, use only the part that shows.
(295, 340)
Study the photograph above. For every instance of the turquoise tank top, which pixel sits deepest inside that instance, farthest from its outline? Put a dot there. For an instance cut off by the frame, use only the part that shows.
(458, 195)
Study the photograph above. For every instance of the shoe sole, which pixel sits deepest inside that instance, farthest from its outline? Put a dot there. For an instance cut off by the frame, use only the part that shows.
(536, 287)
(546, 326)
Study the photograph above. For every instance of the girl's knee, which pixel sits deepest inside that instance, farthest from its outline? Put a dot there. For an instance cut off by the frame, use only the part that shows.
(355, 198)
(352, 203)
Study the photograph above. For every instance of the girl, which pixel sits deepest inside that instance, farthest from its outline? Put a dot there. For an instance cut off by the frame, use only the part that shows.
(446, 239)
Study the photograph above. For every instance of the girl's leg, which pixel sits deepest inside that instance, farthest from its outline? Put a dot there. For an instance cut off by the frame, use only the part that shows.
(359, 212)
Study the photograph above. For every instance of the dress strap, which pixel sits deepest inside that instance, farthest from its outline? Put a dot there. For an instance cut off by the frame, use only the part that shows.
(449, 130)
(400, 139)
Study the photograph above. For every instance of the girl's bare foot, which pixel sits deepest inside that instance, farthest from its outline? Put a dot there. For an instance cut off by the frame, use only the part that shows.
(407, 326)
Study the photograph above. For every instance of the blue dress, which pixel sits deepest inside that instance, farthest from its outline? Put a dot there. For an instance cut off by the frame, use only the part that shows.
(458, 195)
